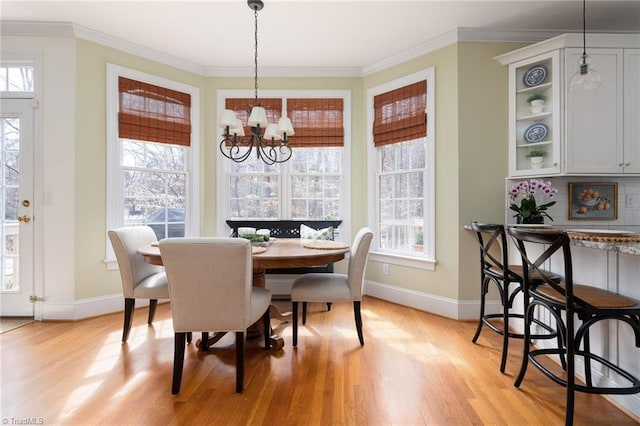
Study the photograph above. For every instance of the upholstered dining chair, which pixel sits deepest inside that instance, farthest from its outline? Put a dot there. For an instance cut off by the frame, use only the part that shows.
(140, 280)
(588, 303)
(330, 288)
(210, 283)
(507, 278)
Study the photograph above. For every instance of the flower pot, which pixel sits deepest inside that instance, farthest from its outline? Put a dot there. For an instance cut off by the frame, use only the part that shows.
(536, 106)
(536, 162)
(530, 220)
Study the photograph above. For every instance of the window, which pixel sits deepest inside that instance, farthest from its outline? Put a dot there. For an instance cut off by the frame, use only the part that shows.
(312, 184)
(152, 154)
(16, 78)
(401, 156)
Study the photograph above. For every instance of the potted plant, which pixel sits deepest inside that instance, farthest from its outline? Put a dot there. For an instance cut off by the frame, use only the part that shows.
(536, 158)
(536, 102)
(529, 211)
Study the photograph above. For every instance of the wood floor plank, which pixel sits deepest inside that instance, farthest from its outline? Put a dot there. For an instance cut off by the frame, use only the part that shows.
(415, 369)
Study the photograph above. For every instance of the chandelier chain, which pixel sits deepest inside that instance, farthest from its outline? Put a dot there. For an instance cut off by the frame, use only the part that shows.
(255, 56)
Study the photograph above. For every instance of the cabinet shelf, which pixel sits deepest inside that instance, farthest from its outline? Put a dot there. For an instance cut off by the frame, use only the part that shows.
(534, 144)
(537, 88)
(539, 116)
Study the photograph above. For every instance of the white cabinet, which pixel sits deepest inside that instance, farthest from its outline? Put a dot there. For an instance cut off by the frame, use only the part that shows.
(534, 130)
(602, 135)
(595, 132)
(632, 110)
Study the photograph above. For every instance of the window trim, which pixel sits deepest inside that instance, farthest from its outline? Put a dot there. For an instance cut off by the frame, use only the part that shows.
(222, 169)
(114, 198)
(427, 261)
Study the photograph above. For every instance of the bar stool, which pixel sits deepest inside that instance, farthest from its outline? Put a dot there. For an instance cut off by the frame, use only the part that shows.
(590, 304)
(495, 268)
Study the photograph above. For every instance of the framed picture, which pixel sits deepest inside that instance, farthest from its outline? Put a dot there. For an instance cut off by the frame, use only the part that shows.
(593, 201)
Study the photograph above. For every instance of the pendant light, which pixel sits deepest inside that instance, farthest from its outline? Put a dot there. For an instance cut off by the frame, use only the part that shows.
(586, 78)
(272, 146)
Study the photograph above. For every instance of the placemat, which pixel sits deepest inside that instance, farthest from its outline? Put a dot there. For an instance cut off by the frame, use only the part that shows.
(603, 238)
(258, 250)
(324, 244)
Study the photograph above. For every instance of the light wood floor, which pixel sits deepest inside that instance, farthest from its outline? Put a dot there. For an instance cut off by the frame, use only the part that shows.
(415, 369)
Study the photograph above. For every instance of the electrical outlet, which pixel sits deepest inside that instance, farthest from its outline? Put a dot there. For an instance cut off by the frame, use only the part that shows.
(385, 268)
(631, 201)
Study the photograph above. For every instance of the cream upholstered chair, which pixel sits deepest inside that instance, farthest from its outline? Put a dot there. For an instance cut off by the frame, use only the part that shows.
(329, 288)
(140, 280)
(210, 283)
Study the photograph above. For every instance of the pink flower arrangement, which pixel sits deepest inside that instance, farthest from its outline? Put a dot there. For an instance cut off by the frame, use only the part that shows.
(526, 191)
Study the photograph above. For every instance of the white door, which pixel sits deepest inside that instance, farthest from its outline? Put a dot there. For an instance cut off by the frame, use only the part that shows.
(16, 218)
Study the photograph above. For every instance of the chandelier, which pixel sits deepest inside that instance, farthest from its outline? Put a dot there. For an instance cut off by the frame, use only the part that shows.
(586, 78)
(272, 146)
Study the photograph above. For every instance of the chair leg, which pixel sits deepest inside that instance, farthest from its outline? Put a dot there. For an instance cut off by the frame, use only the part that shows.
(266, 321)
(178, 361)
(358, 316)
(505, 322)
(528, 318)
(304, 313)
(328, 306)
(482, 308)
(204, 341)
(294, 319)
(239, 361)
(129, 305)
(153, 303)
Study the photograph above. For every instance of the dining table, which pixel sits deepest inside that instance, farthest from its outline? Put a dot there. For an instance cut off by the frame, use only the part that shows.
(281, 253)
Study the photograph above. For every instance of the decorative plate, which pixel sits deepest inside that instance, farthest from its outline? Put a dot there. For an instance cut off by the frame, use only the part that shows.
(535, 75)
(536, 132)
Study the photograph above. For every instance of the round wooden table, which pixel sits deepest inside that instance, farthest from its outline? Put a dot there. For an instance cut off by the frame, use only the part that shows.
(280, 253)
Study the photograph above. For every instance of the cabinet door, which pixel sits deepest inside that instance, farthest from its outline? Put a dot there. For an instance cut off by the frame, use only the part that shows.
(530, 130)
(594, 132)
(632, 110)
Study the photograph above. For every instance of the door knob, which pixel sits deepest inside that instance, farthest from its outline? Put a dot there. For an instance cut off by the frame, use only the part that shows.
(25, 219)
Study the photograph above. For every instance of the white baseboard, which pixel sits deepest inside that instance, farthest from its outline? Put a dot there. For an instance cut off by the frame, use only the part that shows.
(450, 308)
(87, 308)
(443, 306)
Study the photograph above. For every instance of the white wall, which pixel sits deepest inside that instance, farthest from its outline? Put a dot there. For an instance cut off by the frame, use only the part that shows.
(54, 194)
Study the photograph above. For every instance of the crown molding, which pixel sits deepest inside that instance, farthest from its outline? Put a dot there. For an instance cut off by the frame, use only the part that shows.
(460, 35)
(284, 72)
(67, 29)
(36, 29)
(135, 49)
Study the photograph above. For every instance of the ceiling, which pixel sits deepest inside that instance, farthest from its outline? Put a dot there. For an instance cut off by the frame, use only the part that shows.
(313, 34)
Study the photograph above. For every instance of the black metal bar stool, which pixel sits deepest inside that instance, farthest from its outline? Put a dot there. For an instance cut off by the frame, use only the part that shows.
(508, 279)
(590, 304)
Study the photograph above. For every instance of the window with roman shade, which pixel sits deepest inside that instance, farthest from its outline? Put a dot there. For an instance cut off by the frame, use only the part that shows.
(153, 113)
(400, 115)
(401, 147)
(312, 184)
(317, 122)
(153, 153)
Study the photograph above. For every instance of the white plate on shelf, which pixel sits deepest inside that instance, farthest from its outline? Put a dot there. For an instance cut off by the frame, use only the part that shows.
(536, 132)
(535, 75)
(604, 232)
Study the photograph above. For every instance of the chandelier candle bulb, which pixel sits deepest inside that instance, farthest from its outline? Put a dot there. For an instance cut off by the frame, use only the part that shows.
(271, 132)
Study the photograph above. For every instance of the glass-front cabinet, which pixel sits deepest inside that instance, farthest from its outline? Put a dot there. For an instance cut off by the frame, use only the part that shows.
(534, 116)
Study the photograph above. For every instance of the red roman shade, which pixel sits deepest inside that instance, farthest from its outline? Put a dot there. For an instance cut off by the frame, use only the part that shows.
(153, 113)
(317, 122)
(400, 115)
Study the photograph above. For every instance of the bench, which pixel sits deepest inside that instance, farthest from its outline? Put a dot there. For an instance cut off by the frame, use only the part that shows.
(287, 229)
